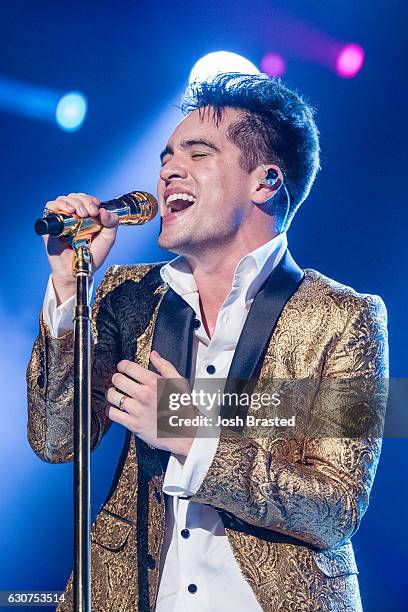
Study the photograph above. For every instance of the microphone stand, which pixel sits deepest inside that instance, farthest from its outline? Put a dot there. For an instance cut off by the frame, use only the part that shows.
(133, 208)
(82, 270)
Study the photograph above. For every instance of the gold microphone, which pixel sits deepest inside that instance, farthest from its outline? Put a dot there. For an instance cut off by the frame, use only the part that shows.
(133, 208)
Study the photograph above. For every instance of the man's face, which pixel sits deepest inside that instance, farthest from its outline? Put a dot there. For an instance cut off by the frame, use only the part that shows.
(204, 194)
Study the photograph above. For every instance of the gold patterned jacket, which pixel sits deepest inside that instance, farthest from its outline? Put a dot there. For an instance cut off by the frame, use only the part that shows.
(289, 506)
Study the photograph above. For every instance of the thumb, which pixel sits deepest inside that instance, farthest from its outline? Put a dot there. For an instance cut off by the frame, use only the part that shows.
(164, 367)
(110, 224)
(108, 219)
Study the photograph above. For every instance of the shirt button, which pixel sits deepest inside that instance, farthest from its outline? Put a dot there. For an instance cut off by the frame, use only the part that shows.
(196, 323)
(185, 533)
(192, 588)
(210, 369)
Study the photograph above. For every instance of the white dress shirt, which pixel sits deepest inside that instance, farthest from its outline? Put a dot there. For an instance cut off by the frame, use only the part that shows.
(199, 572)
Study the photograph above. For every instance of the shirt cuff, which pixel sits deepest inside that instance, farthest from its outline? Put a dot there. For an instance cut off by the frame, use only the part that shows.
(185, 479)
(59, 318)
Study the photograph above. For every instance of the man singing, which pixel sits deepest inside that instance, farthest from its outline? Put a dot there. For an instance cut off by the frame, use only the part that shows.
(233, 521)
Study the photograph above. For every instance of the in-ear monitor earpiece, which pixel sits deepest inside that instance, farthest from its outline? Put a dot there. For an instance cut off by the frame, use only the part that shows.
(271, 176)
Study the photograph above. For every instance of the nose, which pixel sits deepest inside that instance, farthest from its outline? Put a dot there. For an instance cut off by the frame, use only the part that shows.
(172, 170)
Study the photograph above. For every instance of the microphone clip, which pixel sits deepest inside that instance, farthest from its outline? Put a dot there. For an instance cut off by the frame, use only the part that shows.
(82, 262)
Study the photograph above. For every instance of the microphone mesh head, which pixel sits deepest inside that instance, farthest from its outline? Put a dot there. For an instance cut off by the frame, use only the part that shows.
(142, 205)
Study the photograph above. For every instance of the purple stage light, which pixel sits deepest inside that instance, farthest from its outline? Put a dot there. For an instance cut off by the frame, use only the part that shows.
(273, 64)
(349, 61)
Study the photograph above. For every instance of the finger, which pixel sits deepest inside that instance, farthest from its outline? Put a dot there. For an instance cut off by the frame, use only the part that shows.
(137, 372)
(84, 207)
(68, 203)
(90, 199)
(115, 398)
(79, 208)
(127, 385)
(118, 416)
(90, 203)
(164, 367)
(60, 206)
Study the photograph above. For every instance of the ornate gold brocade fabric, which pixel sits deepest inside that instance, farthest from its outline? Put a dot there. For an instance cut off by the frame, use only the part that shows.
(294, 503)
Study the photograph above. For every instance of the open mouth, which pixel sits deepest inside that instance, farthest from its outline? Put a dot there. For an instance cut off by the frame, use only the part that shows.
(177, 204)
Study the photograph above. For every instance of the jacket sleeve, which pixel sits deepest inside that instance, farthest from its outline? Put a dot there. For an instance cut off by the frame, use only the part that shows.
(320, 498)
(50, 384)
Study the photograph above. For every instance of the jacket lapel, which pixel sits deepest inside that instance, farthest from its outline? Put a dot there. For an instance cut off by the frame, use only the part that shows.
(173, 333)
(260, 324)
(173, 340)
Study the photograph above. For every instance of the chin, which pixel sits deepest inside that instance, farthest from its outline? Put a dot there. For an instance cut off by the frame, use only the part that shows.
(168, 243)
(177, 246)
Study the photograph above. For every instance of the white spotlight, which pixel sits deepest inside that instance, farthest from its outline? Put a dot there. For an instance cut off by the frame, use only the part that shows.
(220, 61)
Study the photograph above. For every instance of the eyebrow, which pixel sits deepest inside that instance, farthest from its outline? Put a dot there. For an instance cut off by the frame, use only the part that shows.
(190, 143)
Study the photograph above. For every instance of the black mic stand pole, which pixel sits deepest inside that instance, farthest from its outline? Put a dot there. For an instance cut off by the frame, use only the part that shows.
(82, 425)
(135, 208)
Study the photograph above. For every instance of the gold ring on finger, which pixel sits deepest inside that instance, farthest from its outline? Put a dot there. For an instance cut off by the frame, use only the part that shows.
(121, 403)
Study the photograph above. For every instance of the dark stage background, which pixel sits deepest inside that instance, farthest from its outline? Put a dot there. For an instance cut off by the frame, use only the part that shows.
(131, 60)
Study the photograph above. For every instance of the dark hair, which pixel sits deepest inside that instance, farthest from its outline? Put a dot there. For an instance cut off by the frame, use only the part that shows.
(277, 126)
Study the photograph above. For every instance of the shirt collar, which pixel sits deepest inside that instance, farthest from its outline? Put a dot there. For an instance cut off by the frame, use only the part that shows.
(250, 274)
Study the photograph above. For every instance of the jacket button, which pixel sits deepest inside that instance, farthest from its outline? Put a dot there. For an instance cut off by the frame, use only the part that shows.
(196, 323)
(151, 563)
(210, 369)
(157, 495)
(192, 588)
(40, 381)
(185, 533)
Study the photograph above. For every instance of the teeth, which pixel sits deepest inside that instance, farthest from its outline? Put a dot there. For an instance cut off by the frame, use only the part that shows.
(180, 196)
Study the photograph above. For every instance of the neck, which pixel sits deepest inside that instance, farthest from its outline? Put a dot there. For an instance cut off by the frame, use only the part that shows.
(213, 273)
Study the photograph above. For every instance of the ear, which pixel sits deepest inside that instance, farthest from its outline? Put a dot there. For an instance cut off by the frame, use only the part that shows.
(262, 189)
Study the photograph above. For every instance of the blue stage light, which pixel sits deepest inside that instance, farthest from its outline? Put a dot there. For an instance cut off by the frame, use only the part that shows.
(220, 61)
(71, 111)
